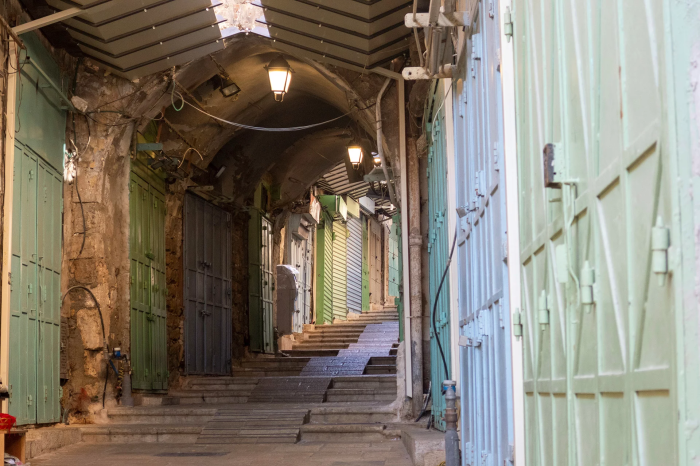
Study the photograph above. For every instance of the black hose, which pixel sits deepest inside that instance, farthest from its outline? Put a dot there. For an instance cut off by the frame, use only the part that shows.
(104, 335)
(437, 296)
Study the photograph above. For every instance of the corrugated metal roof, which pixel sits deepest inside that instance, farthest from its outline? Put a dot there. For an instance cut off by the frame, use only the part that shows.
(337, 182)
(134, 38)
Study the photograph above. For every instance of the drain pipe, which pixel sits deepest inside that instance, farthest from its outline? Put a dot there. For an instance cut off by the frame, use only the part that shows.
(380, 142)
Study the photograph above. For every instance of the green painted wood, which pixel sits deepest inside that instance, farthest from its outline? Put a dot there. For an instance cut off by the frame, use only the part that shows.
(149, 363)
(340, 271)
(35, 287)
(599, 378)
(365, 263)
(324, 271)
(393, 256)
(438, 251)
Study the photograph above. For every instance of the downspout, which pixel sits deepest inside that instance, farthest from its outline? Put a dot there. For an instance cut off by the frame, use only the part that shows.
(380, 143)
(416, 277)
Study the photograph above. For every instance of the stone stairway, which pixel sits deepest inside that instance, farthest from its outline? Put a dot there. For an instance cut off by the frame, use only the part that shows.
(339, 381)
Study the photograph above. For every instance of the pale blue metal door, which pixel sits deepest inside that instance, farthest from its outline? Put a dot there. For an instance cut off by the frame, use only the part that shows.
(354, 264)
(486, 380)
(438, 250)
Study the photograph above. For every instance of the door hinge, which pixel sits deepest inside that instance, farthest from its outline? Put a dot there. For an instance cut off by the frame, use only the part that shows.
(517, 324)
(508, 24)
(543, 311)
(587, 282)
(660, 242)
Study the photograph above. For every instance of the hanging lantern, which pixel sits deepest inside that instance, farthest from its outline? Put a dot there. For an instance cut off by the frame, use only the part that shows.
(355, 154)
(376, 159)
(280, 76)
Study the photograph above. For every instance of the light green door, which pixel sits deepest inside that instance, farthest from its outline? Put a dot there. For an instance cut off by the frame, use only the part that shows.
(324, 271)
(597, 301)
(365, 263)
(35, 284)
(149, 365)
(340, 272)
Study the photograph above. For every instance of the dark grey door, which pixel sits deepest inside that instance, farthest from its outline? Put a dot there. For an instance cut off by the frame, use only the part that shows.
(207, 265)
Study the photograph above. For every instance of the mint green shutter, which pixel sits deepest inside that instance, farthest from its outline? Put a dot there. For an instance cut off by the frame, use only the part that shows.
(597, 306)
(35, 290)
(324, 271)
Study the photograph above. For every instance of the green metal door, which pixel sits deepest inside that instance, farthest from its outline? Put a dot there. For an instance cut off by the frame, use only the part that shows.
(595, 221)
(261, 283)
(149, 363)
(394, 277)
(35, 286)
(397, 238)
(340, 271)
(438, 250)
(365, 263)
(324, 271)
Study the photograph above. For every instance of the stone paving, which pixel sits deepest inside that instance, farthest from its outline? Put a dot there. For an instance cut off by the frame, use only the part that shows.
(382, 453)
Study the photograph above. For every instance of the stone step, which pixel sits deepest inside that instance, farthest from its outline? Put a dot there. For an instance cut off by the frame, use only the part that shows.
(338, 395)
(382, 360)
(141, 433)
(258, 373)
(380, 369)
(366, 381)
(320, 353)
(353, 414)
(160, 415)
(347, 432)
(254, 426)
(270, 364)
(317, 346)
(317, 340)
(190, 397)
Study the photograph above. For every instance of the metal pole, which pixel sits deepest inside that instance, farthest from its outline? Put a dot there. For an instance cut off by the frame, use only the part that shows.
(451, 436)
(380, 143)
(414, 263)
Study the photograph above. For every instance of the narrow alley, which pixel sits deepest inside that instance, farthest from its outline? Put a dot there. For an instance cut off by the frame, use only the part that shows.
(350, 232)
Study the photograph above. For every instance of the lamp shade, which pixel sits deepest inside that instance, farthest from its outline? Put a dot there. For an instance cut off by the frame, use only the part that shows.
(376, 159)
(280, 74)
(355, 154)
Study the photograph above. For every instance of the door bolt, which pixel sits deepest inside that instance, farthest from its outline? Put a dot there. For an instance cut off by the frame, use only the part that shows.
(587, 282)
(543, 311)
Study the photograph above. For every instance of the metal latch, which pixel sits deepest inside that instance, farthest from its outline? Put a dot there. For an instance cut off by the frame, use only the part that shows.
(660, 242)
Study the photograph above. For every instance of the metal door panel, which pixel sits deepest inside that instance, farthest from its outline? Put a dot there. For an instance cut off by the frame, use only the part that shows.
(207, 264)
(354, 264)
(148, 288)
(438, 250)
(365, 263)
(268, 286)
(598, 376)
(255, 322)
(340, 271)
(393, 257)
(324, 271)
(375, 262)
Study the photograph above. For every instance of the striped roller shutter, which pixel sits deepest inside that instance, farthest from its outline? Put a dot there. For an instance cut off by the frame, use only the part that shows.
(340, 273)
(354, 264)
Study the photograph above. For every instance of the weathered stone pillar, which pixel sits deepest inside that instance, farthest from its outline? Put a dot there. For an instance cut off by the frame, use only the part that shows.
(415, 275)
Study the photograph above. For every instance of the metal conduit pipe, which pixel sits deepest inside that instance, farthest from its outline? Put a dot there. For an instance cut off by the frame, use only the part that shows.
(380, 142)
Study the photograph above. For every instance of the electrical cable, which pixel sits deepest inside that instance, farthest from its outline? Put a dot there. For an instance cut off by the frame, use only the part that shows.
(437, 297)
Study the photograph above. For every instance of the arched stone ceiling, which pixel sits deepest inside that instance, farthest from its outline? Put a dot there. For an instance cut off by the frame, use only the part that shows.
(316, 94)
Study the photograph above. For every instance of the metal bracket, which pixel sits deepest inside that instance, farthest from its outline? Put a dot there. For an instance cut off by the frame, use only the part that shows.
(453, 19)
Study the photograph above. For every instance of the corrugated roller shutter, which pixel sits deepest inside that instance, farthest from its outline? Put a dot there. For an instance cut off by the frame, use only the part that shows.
(340, 273)
(354, 261)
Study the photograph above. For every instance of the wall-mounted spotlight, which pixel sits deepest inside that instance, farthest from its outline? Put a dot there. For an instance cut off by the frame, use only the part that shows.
(228, 87)
(280, 77)
(376, 159)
